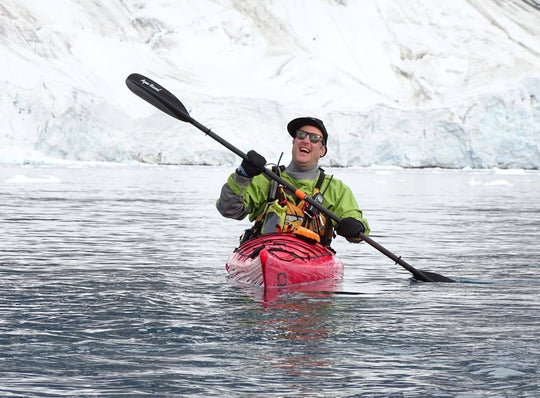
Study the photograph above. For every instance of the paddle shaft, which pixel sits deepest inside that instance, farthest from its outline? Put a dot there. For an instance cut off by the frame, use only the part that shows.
(168, 103)
(302, 195)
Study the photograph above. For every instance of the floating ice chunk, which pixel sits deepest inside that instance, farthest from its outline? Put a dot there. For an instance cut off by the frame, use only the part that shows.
(22, 179)
(499, 183)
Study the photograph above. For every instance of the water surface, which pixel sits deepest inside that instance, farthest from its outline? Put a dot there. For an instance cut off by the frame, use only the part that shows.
(112, 281)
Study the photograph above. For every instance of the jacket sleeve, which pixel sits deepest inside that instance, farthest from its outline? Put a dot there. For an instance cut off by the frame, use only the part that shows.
(242, 196)
(231, 200)
(343, 203)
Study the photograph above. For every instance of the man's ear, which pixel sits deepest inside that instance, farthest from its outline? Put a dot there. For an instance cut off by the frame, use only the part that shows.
(324, 153)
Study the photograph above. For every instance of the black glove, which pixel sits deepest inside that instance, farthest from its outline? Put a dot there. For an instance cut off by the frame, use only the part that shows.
(350, 228)
(252, 167)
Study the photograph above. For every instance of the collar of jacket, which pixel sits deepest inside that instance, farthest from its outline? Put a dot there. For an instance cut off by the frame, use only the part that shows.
(302, 174)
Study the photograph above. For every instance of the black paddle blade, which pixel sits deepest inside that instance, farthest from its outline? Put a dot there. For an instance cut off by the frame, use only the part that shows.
(158, 96)
(436, 277)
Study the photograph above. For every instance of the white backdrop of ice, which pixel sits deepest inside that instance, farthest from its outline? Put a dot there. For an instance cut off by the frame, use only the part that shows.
(412, 84)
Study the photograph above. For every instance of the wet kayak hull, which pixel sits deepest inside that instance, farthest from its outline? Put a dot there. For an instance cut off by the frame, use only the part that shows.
(279, 260)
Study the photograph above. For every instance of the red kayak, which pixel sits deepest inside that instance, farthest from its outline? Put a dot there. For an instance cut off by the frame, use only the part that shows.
(283, 259)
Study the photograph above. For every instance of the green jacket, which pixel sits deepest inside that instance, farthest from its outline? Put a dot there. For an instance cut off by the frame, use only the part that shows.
(242, 196)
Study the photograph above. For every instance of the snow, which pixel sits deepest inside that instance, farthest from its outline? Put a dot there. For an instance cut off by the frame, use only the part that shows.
(426, 83)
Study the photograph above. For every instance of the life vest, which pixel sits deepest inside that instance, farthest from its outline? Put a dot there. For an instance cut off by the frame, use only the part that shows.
(299, 217)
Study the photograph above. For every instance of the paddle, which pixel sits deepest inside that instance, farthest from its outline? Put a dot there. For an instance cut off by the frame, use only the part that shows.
(162, 99)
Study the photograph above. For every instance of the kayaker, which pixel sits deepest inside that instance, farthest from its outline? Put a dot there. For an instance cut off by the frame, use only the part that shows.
(249, 192)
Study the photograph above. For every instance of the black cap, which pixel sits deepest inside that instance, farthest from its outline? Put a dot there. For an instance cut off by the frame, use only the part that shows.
(298, 123)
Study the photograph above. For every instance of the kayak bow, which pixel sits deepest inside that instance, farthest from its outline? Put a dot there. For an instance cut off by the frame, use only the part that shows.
(283, 259)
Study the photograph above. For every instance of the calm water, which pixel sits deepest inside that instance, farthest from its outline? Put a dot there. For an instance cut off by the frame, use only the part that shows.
(113, 283)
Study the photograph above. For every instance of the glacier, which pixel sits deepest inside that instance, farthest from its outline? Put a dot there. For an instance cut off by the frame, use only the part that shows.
(426, 83)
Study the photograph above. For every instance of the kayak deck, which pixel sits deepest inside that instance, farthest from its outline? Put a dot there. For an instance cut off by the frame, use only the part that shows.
(282, 259)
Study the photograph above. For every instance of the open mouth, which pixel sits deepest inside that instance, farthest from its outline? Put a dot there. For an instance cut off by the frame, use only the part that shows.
(304, 150)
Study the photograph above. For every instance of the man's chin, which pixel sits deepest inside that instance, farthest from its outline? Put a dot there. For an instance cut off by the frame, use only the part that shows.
(303, 164)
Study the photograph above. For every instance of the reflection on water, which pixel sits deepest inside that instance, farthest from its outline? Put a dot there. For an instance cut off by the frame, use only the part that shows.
(113, 281)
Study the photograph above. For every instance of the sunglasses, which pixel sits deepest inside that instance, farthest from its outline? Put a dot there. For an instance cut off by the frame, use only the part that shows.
(301, 134)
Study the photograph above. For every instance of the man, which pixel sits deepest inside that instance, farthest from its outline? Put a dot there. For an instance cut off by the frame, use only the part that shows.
(273, 208)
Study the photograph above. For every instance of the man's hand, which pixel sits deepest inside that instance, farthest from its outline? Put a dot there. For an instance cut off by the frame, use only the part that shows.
(253, 166)
(350, 228)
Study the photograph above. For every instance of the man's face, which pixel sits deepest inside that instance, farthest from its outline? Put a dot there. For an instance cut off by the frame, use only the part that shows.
(305, 153)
